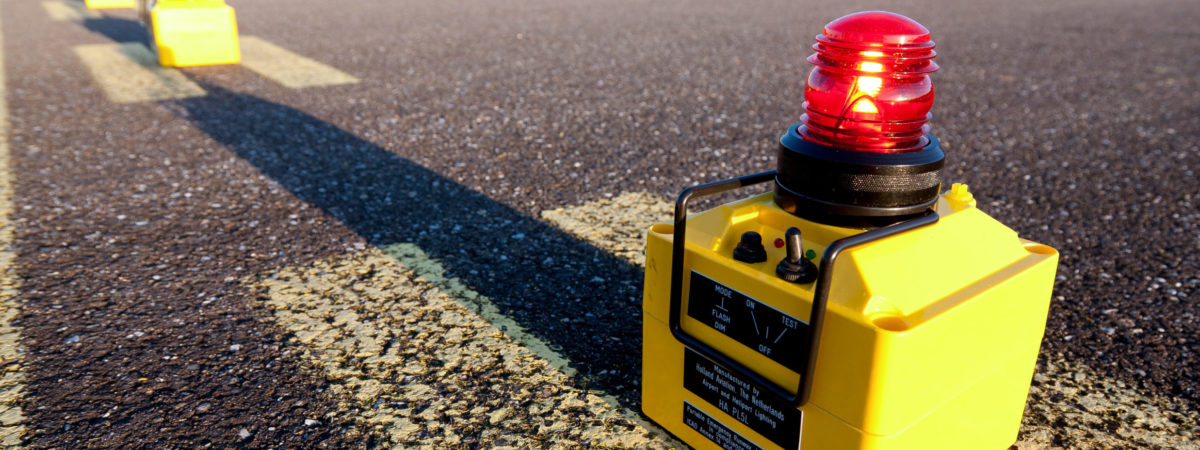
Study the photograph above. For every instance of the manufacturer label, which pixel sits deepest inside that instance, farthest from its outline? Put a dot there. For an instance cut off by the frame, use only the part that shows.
(714, 430)
(742, 399)
(755, 324)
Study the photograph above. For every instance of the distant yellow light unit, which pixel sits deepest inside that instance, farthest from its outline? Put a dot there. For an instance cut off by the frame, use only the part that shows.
(194, 33)
(109, 4)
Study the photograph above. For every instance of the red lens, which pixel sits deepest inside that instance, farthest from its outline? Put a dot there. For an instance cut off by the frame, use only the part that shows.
(870, 89)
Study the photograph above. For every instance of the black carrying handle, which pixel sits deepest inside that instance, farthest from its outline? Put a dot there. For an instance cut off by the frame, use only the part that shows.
(820, 296)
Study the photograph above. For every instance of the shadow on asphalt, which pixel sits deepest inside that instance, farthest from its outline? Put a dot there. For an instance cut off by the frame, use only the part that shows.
(574, 296)
(119, 29)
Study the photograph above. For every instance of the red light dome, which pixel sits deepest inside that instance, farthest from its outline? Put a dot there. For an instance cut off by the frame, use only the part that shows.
(870, 89)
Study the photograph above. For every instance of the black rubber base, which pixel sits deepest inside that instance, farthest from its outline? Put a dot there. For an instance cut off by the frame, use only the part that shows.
(853, 188)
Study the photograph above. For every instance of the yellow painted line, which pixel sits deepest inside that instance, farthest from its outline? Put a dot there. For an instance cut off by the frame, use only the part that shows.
(419, 366)
(129, 72)
(431, 271)
(12, 427)
(1098, 412)
(69, 11)
(287, 68)
(617, 225)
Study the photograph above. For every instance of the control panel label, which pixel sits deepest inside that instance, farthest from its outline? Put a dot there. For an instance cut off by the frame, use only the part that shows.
(742, 399)
(714, 430)
(755, 324)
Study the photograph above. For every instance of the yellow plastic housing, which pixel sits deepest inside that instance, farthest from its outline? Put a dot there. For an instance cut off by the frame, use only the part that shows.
(110, 4)
(929, 340)
(194, 33)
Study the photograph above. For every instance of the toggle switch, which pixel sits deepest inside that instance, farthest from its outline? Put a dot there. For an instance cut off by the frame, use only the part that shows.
(795, 267)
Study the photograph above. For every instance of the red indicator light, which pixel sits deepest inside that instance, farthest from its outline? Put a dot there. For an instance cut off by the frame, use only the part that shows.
(870, 89)
(779, 242)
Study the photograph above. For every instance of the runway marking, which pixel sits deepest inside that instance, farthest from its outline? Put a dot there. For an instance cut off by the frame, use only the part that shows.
(1071, 393)
(431, 271)
(1063, 391)
(618, 224)
(421, 367)
(12, 427)
(129, 73)
(287, 68)
(69, 11)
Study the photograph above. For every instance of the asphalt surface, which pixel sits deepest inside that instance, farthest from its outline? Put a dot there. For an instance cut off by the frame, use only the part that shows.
(1077, 123)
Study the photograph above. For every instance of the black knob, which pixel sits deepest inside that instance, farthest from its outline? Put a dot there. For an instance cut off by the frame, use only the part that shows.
(750, 249)
(794, 267)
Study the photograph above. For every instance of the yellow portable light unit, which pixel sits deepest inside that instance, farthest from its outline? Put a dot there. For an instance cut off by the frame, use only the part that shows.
(920, 327)
(192, 32)
(108, 4)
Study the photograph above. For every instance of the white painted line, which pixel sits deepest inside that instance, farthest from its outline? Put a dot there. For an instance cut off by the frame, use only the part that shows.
(12, 427)
(287, 68)
(69, 11)
(129, 72)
